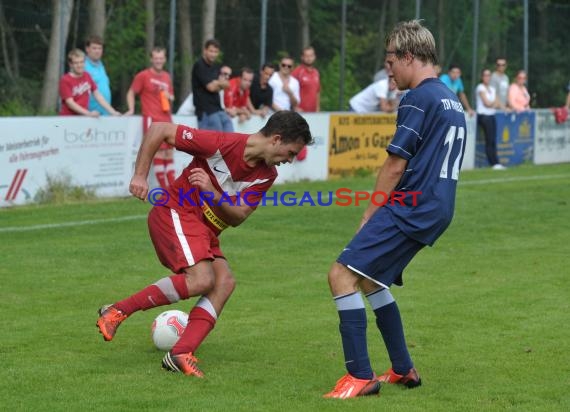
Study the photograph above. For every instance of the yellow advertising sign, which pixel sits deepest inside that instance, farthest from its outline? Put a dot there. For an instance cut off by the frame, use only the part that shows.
(359, 142)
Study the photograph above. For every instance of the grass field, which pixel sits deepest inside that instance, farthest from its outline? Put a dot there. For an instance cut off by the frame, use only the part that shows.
(486, 310)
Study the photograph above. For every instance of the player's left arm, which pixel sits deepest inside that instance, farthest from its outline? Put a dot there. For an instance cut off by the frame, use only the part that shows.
(157, 133)
(232, 214)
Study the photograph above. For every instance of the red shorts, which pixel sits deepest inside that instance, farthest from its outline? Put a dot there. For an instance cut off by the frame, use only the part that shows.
(181, 239)
(147, 121)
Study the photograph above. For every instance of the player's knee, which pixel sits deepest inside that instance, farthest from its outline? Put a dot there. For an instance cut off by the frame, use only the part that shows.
(342, 280)
(202, 281)
(227, 282)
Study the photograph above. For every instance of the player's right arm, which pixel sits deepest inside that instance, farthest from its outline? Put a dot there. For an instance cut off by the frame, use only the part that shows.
(157, 133)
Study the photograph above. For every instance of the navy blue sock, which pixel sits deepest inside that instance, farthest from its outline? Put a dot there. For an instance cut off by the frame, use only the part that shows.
(352, 328)
(389, 322)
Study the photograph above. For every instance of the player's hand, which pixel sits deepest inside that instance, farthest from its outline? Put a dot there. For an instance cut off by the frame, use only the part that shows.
(139, 187)
(199, 178)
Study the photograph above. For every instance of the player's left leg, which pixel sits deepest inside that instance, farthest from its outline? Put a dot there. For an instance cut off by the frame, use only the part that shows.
(204, 315)
(201, 321)
(360, 379)
(389, 323)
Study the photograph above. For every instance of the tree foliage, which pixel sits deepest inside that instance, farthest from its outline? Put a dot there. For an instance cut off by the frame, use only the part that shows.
(27, 26)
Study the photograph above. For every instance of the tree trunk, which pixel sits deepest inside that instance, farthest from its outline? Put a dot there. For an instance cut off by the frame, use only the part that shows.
(303, 8)
(4, 28)
(185, 39)
(381, 39)
(96, 24)
(208, 20)
(149, 5)
(393, 13)
(441, 31)
(61, 15)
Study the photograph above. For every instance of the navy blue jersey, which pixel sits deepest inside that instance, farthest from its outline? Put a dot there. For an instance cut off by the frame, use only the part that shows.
(430, 134)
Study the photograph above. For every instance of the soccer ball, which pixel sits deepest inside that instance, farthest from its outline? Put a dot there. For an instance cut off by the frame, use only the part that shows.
(167, 328)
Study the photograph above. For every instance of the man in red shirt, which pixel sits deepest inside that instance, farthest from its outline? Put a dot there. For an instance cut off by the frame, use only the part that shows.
(154, 87)
(309, 82)
(310, 86)
(236, 96)
(76, 86)
(221, 187)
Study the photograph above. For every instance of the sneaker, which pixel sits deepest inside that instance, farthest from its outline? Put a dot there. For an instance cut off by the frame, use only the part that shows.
(411, 380)
(109, 320)
(350, 387)
(184, 362)
(499, 166)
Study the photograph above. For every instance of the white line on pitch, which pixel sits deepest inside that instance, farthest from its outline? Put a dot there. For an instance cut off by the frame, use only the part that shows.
(69, 224)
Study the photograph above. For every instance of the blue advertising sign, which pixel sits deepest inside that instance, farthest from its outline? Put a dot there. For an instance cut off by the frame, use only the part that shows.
(515, 139)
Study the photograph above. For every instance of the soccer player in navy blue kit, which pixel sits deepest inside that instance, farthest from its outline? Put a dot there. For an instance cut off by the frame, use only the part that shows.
(424, 156)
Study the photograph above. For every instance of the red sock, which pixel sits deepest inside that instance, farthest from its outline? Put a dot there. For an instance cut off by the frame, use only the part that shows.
(164, 292)
(160, 172)
(200, 324)
(169, 170)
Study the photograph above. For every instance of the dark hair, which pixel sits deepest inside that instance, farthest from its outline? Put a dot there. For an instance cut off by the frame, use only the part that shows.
(270, 65)
(290, 125)
(212, 42)
(246, 70)
(453, 66)
(158, 49)
(94, 39)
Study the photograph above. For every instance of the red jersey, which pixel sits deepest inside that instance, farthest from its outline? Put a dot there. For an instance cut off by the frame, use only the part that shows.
(148, 84)
(78, 88)
(221, 156)
(234, 96)
(310, 85)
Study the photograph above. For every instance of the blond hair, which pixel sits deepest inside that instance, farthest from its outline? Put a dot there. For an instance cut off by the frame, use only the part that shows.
(75, 53)
(411, 37)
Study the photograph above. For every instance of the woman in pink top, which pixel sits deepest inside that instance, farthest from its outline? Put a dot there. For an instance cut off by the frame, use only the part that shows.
(519, 99)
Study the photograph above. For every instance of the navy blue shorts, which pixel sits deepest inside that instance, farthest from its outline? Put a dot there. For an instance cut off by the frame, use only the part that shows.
(380, 251)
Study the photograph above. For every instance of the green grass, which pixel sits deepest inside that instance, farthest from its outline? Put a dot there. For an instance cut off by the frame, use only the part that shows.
(486, 310)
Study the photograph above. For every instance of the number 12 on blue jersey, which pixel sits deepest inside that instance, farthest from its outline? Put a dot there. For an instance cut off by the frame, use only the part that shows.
(454, 133)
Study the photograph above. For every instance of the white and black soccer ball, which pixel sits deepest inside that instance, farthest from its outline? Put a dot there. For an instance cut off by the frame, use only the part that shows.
(167, 328)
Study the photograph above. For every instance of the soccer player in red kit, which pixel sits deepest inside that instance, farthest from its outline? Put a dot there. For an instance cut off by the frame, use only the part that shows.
(221, 187)
(154, 86)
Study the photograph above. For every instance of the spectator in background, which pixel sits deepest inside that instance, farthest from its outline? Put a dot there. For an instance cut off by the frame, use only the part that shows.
(452, 79)
(381, 74)
(207, 83)
(236, 96)
(76, 86)
(261, 93)
(95, 67)
(500, 81)
(187, 107)
(285, 87)
(154, 86)
(309, 82)
(568, 97)
(379, 96)
(519, 98)
(487, 102)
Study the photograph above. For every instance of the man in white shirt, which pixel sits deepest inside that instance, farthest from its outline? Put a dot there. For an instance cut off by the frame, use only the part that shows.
(379, 96)
(500, 81)
(286, 90)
